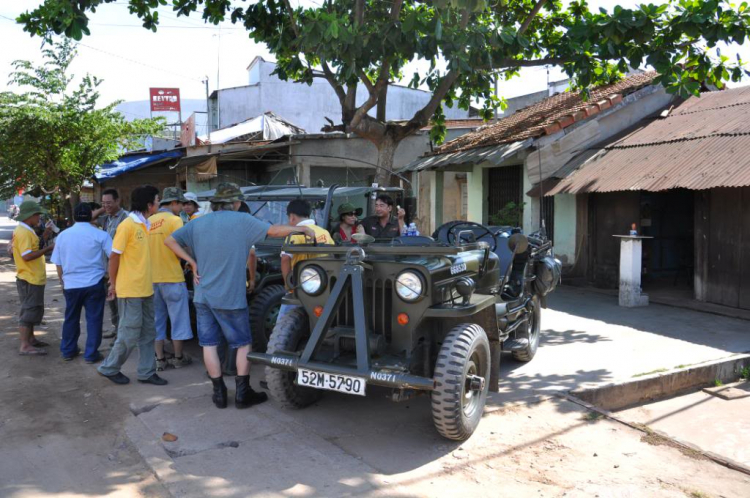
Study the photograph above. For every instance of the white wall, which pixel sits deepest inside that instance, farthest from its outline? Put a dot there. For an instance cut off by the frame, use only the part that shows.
(307, 106)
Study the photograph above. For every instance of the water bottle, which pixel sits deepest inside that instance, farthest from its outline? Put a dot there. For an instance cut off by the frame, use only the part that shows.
(412, 230)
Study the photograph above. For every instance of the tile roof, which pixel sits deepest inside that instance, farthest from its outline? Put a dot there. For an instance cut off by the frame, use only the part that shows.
(547, 116)
(461, 123)
(703, 143)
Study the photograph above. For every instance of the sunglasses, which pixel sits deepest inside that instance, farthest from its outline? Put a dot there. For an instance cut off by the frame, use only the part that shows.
(349, 214)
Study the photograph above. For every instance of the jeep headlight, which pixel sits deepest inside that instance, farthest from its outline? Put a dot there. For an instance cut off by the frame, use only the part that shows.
(311, 280)
(409, 286)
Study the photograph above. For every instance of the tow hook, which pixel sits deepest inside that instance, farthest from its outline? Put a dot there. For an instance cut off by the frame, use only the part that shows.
(476, 382)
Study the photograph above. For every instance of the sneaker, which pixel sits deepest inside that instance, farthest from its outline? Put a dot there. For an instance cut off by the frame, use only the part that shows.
(118, 378)
(109, 334)
(180, 362)
(155, 380)
(99, 357)
(162, 364)
(69, 358)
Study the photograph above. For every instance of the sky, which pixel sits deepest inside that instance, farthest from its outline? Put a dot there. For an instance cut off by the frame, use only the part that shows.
(183, 51)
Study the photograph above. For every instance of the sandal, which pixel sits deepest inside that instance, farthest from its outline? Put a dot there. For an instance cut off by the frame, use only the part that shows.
(33, 352)
(161, 364)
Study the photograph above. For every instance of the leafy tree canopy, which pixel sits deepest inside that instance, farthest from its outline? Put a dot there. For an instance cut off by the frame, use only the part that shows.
(54, 137)
(465, 42)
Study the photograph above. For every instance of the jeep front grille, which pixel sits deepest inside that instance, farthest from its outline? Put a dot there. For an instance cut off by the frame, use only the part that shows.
(378, 300)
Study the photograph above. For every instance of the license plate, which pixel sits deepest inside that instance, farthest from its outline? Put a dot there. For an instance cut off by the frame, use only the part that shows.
(331, 382)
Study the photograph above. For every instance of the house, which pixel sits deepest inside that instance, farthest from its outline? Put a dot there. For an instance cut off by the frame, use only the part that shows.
(514, 159)
(134, 169)
(307, 106)
(302, 158)
(683, 178)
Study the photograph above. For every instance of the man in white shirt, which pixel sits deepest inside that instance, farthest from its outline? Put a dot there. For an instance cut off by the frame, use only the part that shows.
(80, 256)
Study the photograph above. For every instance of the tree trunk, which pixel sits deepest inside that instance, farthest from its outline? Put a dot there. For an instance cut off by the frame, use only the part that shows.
(74, 198)
(386, 155)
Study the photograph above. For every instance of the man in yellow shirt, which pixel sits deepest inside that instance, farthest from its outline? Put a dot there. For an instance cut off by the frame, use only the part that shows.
(31, 275)
(170, 290)
(131, 282)
(298, 211)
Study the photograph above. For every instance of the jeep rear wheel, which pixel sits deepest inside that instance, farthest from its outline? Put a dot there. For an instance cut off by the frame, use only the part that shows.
(289, 335)
(531, 333)
(264, 309)
(462, 381)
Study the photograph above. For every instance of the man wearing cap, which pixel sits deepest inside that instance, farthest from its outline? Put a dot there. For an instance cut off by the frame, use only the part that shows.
(190, 206)
(348, 223)
(221, 242)
(170, 290)
(31, 275)
(109, 217)
(80, 256)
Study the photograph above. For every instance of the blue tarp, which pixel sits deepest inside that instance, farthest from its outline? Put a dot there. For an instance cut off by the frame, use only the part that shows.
(133, 162)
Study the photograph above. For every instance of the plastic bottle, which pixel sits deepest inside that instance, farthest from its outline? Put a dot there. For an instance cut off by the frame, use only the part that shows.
(412, 230)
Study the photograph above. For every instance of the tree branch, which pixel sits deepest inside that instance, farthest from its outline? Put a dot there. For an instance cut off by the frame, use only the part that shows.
(295, 28)
(549, 61)
(332, 81)
(396, 9)
(534, 11)
(359, 12)
(365, 81)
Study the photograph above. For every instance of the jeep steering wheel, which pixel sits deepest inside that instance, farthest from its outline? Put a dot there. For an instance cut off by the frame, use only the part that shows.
(454, 233)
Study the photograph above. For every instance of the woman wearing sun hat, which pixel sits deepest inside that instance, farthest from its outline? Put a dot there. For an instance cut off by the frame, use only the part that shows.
(348, 223)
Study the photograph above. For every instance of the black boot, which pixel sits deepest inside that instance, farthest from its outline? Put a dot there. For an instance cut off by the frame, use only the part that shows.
(220, 392)
(245, 396)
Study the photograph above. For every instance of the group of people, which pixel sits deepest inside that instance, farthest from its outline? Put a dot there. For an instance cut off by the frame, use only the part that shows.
(134, 260)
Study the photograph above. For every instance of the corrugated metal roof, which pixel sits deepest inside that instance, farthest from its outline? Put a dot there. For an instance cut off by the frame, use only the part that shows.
(494, 155)
(531, 121)
(704, 143)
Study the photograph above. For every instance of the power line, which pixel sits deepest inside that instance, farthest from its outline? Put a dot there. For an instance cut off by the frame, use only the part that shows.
(140, 63)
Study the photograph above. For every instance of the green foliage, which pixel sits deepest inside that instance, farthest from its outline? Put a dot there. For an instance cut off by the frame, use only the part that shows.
(745, 373)
(465, 42)
(509, 216)
(718, 383)
(53, 137)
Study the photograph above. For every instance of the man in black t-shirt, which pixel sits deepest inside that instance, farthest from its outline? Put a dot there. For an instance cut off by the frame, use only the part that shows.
(383, 225)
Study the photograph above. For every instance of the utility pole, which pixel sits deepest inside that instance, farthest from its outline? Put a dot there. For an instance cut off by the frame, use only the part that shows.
(208, 112)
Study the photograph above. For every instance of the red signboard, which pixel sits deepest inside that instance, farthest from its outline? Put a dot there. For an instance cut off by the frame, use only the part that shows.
(165, 99)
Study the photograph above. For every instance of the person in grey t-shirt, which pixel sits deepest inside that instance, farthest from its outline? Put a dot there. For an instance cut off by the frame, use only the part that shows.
(220, 243)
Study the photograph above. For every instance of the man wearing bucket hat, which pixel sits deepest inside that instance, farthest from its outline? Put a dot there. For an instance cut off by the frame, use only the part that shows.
(170, 290)
(190, 206)
(348, 223)
(221, 241)
(31, 275)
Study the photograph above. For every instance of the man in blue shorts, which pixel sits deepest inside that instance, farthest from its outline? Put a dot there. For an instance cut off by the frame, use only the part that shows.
(220, 243)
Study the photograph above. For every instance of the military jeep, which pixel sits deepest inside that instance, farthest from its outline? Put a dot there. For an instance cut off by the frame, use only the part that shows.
(417, 315)
(268, 203)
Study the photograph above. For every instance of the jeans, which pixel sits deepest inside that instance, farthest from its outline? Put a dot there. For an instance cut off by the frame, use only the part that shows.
(171, 301)
(93, 299)
(136, 329)
(213, 324)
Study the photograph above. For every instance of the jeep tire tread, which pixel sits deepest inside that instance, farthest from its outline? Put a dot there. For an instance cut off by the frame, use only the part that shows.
(289, 334)
(263, 303)
(532, 333)
(456, 410)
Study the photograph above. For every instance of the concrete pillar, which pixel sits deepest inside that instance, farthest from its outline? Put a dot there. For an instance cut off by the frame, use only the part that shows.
(475, 187)
(630, 271)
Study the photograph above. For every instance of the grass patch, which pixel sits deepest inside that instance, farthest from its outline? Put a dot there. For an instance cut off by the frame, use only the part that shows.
(718, 383)
(658, 370)
(696, 494)
(745, 373)
(591, 416)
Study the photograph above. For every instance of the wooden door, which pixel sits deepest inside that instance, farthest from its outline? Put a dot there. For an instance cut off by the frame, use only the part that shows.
(724, 247)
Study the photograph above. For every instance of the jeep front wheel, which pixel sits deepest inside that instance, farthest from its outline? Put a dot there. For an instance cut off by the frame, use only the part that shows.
(462, 381)
(264, 309)
(290, 334)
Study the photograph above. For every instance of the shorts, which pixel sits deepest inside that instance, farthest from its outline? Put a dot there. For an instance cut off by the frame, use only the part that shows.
(171, 301)
(32, 303)
(234, 325)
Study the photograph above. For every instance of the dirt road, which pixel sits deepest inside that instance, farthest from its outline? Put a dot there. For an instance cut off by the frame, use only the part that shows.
(61, 431)
(65, 431)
